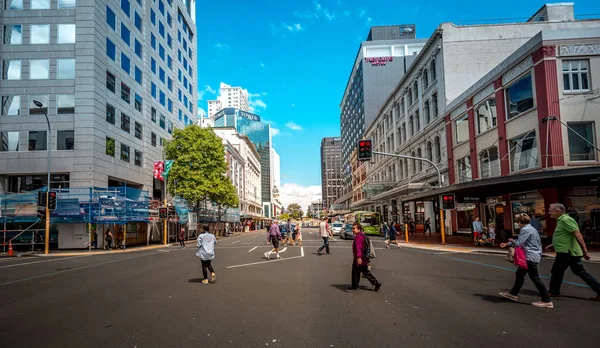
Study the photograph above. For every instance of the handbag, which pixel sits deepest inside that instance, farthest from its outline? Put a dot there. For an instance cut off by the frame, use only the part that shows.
(520, 259)
(510, 255)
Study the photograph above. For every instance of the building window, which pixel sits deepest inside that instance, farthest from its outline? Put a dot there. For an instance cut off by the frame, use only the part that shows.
(40, 34)
(410, 97)
(110, 82)
(137, 159)
(40, 4)
(66, 3)
(153, 139)
(138, 102)
(464, 169)
(125, 92)
(576, 75)
(461, 126)
(138, 48)
(65, 140)
(138, 130)
(434, 105)
(489, 163)
(429, 151)
(417, 122)
(126, 6)
(519, 96)
(413, 162)
(125, 123)
(425, 79)
(65, 104)
(427, 112)
(13, 34)
(37, 141)
(111, 18)
(125, 34)
(153, 114)
(486, 116)
(110, 114)
(125, 63)
(523, 152)
(138, 75)
(66, 69)
(433, 71)
(162, 122)
(66, 33)
(420, 155)
(9, 141)
(11, 105)
(138, 21)
(34, 109)
(111, 50)
(170, 127)
(125, 152)
(39, 69)
(582, 144)
(110, 147)
(13, 5)
(416, 90)
(411, 129)
(438, 150)
(11, 70)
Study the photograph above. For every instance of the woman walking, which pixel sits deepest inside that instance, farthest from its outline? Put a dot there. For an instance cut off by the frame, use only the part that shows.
(529, 240)
(206, 252)
(392, 234)
(182, 237)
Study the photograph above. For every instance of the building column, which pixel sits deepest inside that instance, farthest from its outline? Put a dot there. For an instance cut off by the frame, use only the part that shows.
(501, 121)
(546, 94)
(472, 142)
(449, 149)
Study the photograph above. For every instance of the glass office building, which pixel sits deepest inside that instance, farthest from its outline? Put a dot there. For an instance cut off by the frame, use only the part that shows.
(260, 134)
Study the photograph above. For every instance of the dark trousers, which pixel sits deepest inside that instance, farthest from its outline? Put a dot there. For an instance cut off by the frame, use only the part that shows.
(564, 261)
(182, 242)
(364, 269)
(325, 244)
(206, 266)
(427, 228)
(532, 270)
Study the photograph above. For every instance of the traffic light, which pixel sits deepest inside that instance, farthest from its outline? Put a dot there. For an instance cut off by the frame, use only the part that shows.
(41, 201)
(364, 150)
(52, 200)
(162, 213)
(448, 201)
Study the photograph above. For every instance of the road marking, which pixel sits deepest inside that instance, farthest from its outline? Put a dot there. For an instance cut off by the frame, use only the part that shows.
(74, 269)
(310, 232)
(261, 262)
(164, 251)
(237, 241)
(254, 236)
(31, 263)
(302, 251)
(251, 250)
(284, 249)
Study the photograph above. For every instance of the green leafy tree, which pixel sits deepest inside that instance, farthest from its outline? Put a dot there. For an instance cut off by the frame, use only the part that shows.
(200, 167)
(284, 217)
(309, 213)
(295, 211)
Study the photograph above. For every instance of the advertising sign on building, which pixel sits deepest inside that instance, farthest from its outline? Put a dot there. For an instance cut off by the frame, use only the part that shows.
(378, 61)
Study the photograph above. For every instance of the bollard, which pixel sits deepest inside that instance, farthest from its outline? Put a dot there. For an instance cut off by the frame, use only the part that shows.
(443, 227)
(406, 232)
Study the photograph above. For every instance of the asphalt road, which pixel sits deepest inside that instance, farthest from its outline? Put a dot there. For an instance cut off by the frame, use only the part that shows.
(156, 299)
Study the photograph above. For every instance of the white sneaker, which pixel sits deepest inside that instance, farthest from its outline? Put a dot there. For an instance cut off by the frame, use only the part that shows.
(267, 256)
(509, 296)
(541, 304)
(278, 257)
(398, 246)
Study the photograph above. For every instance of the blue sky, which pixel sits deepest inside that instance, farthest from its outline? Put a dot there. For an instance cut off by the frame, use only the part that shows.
(295, 57)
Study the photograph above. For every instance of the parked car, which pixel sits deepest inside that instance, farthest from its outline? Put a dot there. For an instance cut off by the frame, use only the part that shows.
(336, 227)
(346, 232)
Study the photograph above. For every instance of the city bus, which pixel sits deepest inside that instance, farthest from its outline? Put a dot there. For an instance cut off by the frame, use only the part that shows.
(370, 221)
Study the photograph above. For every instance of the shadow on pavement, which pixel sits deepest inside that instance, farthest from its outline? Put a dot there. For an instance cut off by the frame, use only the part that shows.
(196, 280)
(495, 299)
(344, 287)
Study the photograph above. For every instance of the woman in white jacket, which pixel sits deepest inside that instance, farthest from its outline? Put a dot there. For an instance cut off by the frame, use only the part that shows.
(206, 252)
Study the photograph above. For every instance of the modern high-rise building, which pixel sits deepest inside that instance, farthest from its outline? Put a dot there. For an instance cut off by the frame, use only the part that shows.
(229, 97)
(114, 77)
(379, 64)
(331, 181)
(260, 134)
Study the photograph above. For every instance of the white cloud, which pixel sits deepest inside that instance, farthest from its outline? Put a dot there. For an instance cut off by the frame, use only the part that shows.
(275, 132)
(292, 27)
(201, 112)
(201, 95)
(362, 13)
(293, 105)
(262, 65)
(209, 89)
(264, 93)
(291, 125)
(256, 104)
(222, 46)
(302, 195)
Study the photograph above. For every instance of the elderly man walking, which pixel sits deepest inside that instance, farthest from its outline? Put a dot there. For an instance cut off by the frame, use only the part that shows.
(570, 247)
(274, 238)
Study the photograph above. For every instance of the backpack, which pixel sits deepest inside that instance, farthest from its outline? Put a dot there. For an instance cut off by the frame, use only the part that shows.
(368, 249)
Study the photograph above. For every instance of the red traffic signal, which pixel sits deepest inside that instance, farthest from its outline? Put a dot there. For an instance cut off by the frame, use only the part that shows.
(52, 200)
(448, 201)
(364, 150)
(162, 213)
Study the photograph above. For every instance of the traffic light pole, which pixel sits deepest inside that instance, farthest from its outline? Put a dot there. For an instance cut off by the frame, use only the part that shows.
(48, 144)
(440, 178)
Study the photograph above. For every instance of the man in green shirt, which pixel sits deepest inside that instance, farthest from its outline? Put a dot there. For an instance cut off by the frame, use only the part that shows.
(570, 247)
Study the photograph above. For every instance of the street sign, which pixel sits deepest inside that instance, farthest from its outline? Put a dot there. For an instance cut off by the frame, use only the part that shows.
(365, 152)
(448, 201)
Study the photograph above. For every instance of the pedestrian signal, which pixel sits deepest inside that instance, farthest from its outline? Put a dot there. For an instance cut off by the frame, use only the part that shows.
(52, 200)
(162, 213)
(448, 201)
(364, 150)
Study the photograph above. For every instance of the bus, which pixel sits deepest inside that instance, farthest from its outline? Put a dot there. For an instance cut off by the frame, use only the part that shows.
(370, 221)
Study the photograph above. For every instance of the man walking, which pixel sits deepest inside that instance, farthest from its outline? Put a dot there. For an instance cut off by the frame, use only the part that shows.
(325, 233)
(360, 261)
(427, 226)
(570, 247)
(386, 230)
(274, 237)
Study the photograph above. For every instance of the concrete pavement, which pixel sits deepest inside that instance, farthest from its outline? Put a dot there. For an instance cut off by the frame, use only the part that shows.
(154, 298)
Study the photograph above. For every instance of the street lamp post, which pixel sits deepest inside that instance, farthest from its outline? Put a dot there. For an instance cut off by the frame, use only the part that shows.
(48, 143)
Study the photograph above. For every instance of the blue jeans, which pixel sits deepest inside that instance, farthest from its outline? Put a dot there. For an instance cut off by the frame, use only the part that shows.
(564, 261)
(325, 244)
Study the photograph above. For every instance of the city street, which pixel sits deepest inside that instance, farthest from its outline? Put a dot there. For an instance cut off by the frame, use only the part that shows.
(155, 298)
